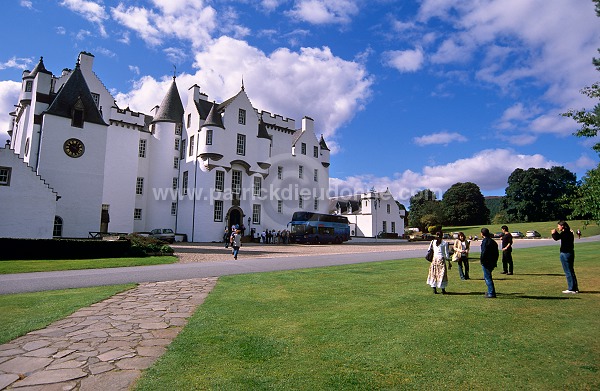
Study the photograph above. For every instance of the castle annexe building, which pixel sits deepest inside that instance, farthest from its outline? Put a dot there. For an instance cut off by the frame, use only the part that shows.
(195, 169)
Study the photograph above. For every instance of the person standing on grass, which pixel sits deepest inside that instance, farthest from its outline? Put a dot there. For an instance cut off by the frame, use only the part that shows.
(461, 255)
(236, 243)
(438, 273)
(507, 242)
(489, 261)
(567, 254)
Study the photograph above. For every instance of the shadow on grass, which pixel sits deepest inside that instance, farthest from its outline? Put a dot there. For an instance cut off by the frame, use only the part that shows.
(524, 296)
(542, 275)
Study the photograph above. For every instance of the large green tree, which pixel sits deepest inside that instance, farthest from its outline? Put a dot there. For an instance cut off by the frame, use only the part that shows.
(424, 204)
(539, 194)
(463, 204)
(587, 202)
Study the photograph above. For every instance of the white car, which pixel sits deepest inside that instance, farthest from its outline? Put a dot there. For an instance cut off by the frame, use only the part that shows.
(164, 234)
(533, 234)
(517, 234)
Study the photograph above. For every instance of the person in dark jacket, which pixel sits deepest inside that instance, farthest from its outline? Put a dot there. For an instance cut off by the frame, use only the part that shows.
(507, 261)
(489, 261)
(567, 254)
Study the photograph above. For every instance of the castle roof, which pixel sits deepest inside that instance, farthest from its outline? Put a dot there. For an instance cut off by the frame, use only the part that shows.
(214, 118)
(74, 90)
(171, 108)
(39, 68)
(323, 144)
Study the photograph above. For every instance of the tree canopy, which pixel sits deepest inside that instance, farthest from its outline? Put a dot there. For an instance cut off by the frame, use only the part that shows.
(539, 194)
(463, 204)
(424, 204)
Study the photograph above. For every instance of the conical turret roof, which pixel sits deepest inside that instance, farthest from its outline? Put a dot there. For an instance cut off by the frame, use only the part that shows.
(214, 118)
(171, 108)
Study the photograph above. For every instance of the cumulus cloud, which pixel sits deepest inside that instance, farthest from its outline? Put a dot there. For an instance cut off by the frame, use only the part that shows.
(404, 60)
(26, 4)
(443, 138)
(324, 11)
(187, 20)
(90, 10)
(477, 169)
(16, 62)
(9, 94)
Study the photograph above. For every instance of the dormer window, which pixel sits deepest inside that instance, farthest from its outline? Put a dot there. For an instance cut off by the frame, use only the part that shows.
(96, 98)
(77, 114)
(28, 86)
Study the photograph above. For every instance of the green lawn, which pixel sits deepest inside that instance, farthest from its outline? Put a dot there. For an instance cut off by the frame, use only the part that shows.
(25, 312)
(43, 265)
(377, 326)
(588, 228)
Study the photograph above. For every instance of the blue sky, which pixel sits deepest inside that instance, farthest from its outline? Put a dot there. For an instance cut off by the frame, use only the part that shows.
(408, 94)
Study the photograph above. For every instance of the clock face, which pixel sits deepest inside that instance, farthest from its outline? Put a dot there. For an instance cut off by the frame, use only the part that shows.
(74, 147)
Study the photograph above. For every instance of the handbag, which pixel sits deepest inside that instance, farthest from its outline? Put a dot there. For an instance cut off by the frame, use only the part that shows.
(429, 256)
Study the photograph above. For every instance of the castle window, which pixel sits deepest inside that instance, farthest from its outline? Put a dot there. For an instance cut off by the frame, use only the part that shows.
(209, 134)
(191, 145)
(219, 180)
(236, 182)
(218, 213)
(142, 149)
(27, 147)
(255, 214)
(300, 172)
(177, 142)
(316, 152)
(384, 226)
(316, 204)
(137, 214)
(388, 208)
(28, 86)
(96, 98)
(175, 183)
(303, 148)
(173, 208)
(316, 175)
(189, 121)
(139, 186)
(393, 227)
(5, 176)
(257, 186)
(58, 226)
(178, 129)
(279, 172)
(300, 202)
(184, 183)
(241, 144)
(242, 117)
(176, 163)
(279, 206)
(77, 114)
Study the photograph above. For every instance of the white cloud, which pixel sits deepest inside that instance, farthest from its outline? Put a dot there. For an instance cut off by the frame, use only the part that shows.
(16, 62)
(325, 11)
(90, 10)
(9, 94)
(443, 138)
(404, 60)
(489, 169)
(175, 55)
(135, 69)
(26, 4)
(61, 30)
(188, 20)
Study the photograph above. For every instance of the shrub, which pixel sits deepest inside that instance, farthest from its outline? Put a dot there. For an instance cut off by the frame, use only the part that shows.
(144, 245)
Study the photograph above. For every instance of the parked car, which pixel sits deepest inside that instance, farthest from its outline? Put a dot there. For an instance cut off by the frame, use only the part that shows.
(164, 234)
(533, 234)
(498, 235)
(517, 234)
(420, 237)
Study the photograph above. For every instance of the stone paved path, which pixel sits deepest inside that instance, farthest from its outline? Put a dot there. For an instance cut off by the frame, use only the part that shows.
(104, 346)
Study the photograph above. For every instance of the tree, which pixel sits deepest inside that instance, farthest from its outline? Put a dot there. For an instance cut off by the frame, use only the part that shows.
(539, 194)
(587, 202)
(423, 203)
(463, 204)
(589, 119)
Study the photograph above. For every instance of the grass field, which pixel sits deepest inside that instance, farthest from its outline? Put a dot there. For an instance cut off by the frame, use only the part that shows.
(25, 312)
(43, 265)
(588, 228)
(377, 326)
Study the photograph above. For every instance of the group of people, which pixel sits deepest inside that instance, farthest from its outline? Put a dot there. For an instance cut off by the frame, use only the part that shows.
(274, 237)
(438, 269)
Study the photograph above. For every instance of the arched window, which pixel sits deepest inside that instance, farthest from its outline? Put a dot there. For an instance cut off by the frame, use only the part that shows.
(58, 226)
(77, 119)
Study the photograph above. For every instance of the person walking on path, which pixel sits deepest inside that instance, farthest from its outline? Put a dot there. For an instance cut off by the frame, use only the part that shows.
(507, 260)
(461, 255)
(236, 243)
(438, 273)
(567, 254)
(489, 261)
(578, 234)
(226, 237)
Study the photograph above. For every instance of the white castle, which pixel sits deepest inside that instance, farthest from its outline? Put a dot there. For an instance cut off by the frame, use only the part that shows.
(76, 164)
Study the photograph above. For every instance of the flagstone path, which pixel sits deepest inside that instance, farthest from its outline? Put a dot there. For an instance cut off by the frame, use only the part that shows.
(104, 346)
